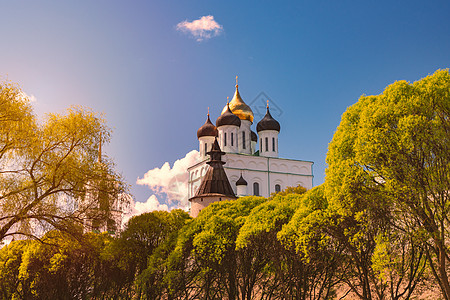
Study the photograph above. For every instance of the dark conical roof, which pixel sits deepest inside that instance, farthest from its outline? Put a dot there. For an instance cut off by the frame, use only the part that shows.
(215, 182)
(228, 118)
(254, 136)
(207, 129)
(268, 123)
(241, 181)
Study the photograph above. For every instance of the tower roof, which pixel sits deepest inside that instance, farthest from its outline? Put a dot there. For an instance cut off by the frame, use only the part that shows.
(207, 129)
(268, 122)
(238, 106)
(215, 182)
(228, 118)
(241, 181)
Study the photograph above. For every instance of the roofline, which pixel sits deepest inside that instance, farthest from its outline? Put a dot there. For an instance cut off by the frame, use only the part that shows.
(213, 195)
(291, 159)
(197, 164)
(265, 171)
(251, 155)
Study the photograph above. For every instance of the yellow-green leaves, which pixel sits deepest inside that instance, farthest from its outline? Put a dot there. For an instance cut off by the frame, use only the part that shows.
(49, 167)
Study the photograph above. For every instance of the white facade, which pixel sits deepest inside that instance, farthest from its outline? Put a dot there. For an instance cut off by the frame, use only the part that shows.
(266, 172)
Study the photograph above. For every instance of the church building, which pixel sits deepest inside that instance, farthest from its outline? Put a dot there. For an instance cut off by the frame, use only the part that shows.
(250, 161)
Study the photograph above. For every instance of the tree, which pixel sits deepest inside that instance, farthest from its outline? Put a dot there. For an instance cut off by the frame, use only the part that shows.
(318, 266)
(152, 282)
(48, 169)
(205, 263)
(10, 261)
(273, 267)
(389, 164)
(133, 250)
(59, 267)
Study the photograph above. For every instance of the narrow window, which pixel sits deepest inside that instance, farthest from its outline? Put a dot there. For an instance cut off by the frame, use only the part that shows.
(277, 188)
(267, 144)
(260, 145)
(225, 139)
(243, 140)
(256, 189)
(206, 148)
(273, 144)
(232, 135)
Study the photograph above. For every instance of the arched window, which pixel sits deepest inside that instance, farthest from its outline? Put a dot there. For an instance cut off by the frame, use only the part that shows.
(260, 145)
(277, 188)
(206, 148)
(267, 144)
(256, 189)
(232, 137)
(225, 139)
(273, 144)
(243, 140)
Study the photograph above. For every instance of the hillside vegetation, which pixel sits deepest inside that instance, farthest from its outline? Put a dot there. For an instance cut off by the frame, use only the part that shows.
(378, 228)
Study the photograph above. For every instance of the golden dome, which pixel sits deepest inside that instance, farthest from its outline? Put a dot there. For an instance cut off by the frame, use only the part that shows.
(239, 108)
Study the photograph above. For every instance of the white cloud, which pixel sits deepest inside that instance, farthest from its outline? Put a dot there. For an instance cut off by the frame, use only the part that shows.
(170, 183)
(204, 28)
(24, 96)
(138, 208)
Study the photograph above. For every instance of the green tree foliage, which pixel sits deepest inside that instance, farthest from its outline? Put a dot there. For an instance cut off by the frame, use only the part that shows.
(10, 261)
(95, 266)
(290, 190)
(143, 234)
(48, 168)
(272, 267)
(205, 263)
(59, 268)
(388, 182)
(317, 263)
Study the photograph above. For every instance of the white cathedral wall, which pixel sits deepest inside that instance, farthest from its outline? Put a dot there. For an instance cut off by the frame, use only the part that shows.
(285, 172)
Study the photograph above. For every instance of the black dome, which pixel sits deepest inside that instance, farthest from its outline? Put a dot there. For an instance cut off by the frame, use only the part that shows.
(241, 181)
(207, 129)
(228, 118)
(254, 136)
(268, 123)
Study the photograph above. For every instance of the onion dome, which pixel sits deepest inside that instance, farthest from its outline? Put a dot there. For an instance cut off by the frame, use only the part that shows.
(241, 181)
(228, 118)
(268, 123)
(238, 106)
(207, 129)
(254, 136)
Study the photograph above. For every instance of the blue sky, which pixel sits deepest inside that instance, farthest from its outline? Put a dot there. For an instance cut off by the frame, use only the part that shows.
(154, 83)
